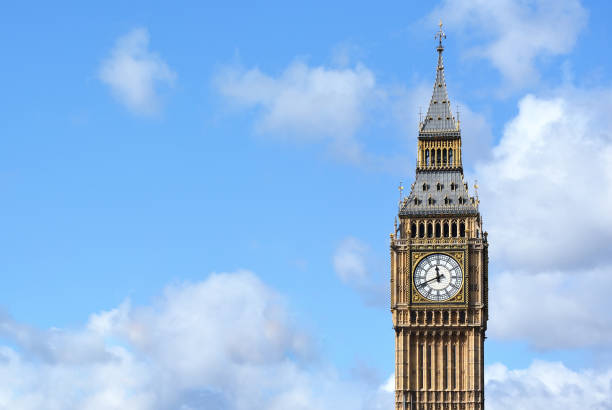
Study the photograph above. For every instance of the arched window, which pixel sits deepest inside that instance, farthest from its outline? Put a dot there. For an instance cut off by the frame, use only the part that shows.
(438, 233)
(427, 157)
(446, 229)
(462, 229)
(450, 157)
(413, 230)
(444, 156)
(439, 186)
(429, 230)
(439, 157)
(433, 157)
(421, 230)
(416, 200)
(431, 201)
(454, 229)
(424, 187)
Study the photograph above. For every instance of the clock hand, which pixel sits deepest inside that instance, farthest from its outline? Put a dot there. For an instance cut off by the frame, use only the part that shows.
(441, 276)
(437, 274)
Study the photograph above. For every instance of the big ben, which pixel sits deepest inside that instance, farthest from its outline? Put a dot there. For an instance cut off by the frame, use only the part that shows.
(439, 272)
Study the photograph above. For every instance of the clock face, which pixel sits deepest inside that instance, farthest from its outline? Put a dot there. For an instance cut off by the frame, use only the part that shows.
(438, 277)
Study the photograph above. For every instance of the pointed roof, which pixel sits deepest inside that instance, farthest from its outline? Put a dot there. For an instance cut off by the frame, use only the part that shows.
(439, 116)
(439, 193)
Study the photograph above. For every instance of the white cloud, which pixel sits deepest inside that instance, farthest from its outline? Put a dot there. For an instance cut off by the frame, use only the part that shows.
(135, 74)
(547, 191)
(352, 261)
(547, 385)
(349, 261)
(515, 34)
(227, 342)
(552, 310)
(546, 197)
(308, 103)
(542, 385)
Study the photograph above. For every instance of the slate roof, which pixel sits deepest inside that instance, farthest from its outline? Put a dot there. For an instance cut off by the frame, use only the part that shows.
(443, 201)
(437, 191)
(439, 116)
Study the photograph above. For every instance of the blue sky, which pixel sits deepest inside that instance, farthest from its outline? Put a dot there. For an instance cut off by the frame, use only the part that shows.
(179, 179)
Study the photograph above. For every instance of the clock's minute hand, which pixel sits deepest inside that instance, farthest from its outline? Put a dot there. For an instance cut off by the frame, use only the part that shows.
(438, 277)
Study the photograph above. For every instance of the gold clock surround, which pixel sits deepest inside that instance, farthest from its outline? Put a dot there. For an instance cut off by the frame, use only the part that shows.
(457, 300)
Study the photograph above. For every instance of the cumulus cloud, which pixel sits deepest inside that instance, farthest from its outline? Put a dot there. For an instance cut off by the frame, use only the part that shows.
(227, 342)
(513, 34)
(547, 385)
(352, 261)
(303, 102)
(531, 307)
(135, 74)
(547, 191)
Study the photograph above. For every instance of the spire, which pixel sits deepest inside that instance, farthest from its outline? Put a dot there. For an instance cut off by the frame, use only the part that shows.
(439, 116)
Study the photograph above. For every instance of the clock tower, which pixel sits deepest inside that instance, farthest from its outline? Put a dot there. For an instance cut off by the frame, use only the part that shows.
(439, 272)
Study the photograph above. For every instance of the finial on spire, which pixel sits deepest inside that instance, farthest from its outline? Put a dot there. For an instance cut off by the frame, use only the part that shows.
(440, 35)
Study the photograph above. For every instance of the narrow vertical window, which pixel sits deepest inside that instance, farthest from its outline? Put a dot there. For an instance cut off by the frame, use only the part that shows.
(462, 229)
(420, 359)
(450, 157)
(454, 229)
(429, 367)
(444, 366)
(453, 367)
(413, 230)
(429, 230)
(446, 229)
(444, 156)
(438, 157)
(438, 233)
(427, 157)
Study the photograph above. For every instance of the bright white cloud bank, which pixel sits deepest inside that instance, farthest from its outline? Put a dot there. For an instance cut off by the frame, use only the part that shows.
(546, 197)
(227, 342)
(514, 34)
(545, 385)
(135, 74)
(550, 180)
